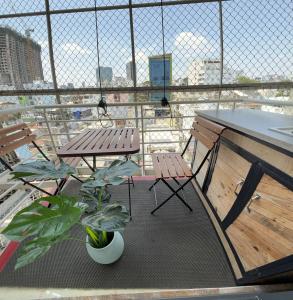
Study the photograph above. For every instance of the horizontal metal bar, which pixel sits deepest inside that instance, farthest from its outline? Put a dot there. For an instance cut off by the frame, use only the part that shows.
(146, 103)
(76, 133)
(21, 15)
(116, 119)
(269, 102)
(168, 130)
(15, 110)
(104, 8)
(133, 104)
(168, 142)
(171, 88)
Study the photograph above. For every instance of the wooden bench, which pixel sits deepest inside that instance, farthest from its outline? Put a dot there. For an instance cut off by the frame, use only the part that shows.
(173, 166)
(15, 136)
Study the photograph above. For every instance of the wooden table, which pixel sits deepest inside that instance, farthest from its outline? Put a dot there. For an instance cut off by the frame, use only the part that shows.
(103, 142)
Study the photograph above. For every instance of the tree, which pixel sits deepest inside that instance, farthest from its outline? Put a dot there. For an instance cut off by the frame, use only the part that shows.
(245, 79)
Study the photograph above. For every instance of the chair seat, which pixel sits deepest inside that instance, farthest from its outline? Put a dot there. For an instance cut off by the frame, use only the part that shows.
(170, 165)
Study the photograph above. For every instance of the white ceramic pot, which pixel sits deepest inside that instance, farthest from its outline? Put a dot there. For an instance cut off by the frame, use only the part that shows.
(108, 254)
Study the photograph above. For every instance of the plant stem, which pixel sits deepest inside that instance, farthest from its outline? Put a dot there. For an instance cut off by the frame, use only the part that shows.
(105, 236)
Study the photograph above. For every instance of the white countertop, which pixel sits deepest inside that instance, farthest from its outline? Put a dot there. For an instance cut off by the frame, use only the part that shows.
(255, 123)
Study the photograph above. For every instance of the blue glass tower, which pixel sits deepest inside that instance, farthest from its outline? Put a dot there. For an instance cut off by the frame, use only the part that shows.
(157, 78)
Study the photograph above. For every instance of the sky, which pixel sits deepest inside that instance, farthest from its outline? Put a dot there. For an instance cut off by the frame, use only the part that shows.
(258, 36)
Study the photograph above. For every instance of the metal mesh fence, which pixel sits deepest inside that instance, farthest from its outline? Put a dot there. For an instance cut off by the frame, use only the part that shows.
(21, 6)
(257, 38)
(74, 46)
(252, 45)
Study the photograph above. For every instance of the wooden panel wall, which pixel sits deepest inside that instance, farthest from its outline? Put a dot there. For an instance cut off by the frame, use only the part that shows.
(229, 170)
(277, 159)
(264, 232)
(201, 151)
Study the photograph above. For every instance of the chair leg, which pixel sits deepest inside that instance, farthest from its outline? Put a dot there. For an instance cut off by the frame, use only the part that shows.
(150, 188)
(175, 193)
(90, 167)
(176, 181)
(36, 187)
(75, 177)
(60, 186)
(183, 195)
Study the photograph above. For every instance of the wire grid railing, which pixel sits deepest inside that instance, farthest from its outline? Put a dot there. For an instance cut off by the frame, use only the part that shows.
(161, 130)
(158, 133)
(213, 43)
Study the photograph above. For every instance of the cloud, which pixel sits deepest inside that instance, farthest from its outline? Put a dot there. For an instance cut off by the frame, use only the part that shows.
(75, 49)
(193, 41)
(140, 56)
(44, 44)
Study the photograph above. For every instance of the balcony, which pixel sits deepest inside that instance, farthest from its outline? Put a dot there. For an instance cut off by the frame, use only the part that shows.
(152, 258)
(162, 248)
(81, 66)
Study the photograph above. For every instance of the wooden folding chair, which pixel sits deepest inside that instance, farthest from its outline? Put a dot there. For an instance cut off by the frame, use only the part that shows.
(19, 135)
(173, 165)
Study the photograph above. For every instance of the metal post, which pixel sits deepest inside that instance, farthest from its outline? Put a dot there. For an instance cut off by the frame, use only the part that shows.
(221, 49)
(133, 59)
(52, 62)
(50, 45)
(142, 139)
(49, 130)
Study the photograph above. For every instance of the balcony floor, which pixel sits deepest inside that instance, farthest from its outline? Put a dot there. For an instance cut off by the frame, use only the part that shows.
(173, 249)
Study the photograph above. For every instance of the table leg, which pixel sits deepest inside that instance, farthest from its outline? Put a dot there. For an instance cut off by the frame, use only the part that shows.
(87, 163)
(129, 197)
(94, 163)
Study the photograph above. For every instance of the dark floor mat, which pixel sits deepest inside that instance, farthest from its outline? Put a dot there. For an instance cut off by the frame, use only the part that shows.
(173, 249)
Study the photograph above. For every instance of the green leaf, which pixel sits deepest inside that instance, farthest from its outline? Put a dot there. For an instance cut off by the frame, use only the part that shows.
(30, 256)
(112, 217)
(37, 219)
(36, 248)
(115, 174)
(81, 205)
(42, 170)
(93, 237)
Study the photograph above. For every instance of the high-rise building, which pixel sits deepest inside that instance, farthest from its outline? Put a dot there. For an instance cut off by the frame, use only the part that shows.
(157, 66)
(129, 71)
(20, 58)
(208, 71)
(106, 75)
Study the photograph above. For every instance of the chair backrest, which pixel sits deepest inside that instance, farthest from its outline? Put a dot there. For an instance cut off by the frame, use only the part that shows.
(205, 131)
(13, 137)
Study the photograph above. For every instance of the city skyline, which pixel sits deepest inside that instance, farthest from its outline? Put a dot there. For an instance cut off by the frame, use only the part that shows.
(20, 58)
(249, 44)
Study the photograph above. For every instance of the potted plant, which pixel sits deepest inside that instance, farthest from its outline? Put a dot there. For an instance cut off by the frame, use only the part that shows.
(39, 226)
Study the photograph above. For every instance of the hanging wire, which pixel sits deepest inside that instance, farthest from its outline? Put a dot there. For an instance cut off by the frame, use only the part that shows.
(164, 101)
(102, 103)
